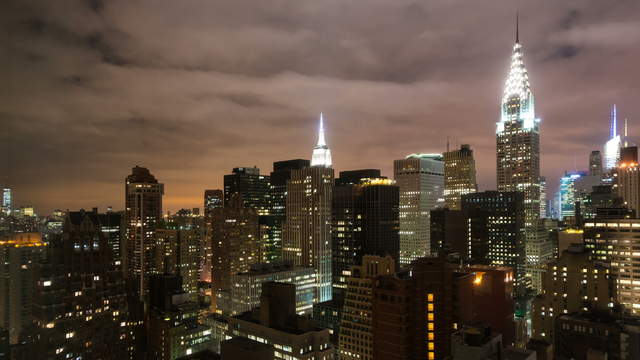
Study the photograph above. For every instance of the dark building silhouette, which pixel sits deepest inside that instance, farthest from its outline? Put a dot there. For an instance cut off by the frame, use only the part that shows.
(252, 187)
(80, 300)
(495, 223)
(365, 221)
(353, 177)
(449, 232)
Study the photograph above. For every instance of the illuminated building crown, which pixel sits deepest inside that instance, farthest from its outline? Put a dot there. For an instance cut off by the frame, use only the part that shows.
(517, 100)
(321, 153)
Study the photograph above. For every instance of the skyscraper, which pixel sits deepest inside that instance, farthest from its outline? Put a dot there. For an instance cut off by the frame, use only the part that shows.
(307, 231)
(518, 141)
(6, 201)
(212, 199)
(143, 203)
(612, 146)
(421, 181)
(495, 223)
(279, 177)
(364, 222)
(459, 175)
(595, 163)
(568, 194)
(252, 187)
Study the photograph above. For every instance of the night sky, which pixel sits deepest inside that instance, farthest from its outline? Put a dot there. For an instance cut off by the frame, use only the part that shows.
(191, 89)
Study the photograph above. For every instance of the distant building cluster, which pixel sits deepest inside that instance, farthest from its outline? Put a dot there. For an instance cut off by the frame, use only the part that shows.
(303, 263)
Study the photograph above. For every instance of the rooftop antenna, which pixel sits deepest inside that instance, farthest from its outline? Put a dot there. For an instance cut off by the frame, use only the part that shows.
(517, 28)
(447, 144)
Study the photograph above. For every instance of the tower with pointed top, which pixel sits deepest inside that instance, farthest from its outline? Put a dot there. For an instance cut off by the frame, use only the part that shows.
(306, 239)
(518, 145)
(612, 147)
(321, 153)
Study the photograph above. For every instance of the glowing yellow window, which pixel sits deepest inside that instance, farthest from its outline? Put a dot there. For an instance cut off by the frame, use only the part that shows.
(430, 326)
(432, 355)
(430, 336)
(431, 346)
(430, 307)
(430, 297)
(430, 317)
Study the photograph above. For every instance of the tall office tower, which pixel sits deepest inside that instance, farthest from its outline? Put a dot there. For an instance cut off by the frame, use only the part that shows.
(173, 327)
(80, 303)
(595, 163)
(356, 336)
(628, 155)
(143, 204)
(459, 175)
(252, 187)
(364, 222)
(6, 201)
(307, 231)
(612, 146)
(112, 225)
(279, 177)
(543, 197)
(572, 283)
(276, 323)
(213, 199)
(421, 181)
(179, 252)
(615, 242)
(19, 254)
(235, 241)
(569, 196)
(495, 231)
(518, 142)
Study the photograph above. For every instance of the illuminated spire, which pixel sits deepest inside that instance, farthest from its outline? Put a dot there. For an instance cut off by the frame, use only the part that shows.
(517, 98)
(321, 141)
(321, 153)
(614, 122)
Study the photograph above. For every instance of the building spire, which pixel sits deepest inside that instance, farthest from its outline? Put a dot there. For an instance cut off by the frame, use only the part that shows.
(517, 29)
(321, 141)
(321, 153)
(613, 132)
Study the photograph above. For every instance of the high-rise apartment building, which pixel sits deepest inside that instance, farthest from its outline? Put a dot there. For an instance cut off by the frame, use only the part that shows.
(19, 254)
(595, 163)
(518, 142)
(252, 187)
(235, 241)
(495, 231)
(307, 231)
(80, 303)
(356, 336)
(143, 203)
(279, 177)
(615, 242)
(213, 199)
(572, 283)
(420, 178)
(364, 222)
(459, 175)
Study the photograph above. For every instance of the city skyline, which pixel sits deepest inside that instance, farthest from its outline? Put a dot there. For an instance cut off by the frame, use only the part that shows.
(201, 116)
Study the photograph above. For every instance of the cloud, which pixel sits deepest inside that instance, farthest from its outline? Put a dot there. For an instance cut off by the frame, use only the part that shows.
(194, 88)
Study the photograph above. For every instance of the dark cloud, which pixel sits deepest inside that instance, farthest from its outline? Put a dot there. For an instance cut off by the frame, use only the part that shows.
(194, 88)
